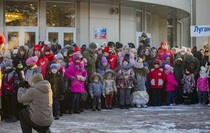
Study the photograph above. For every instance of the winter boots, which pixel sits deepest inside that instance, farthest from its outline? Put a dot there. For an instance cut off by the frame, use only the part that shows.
(57, 113)
(76, 110)
(94, 108)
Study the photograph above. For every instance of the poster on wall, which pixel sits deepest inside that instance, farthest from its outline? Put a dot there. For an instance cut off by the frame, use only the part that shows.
(100, 33)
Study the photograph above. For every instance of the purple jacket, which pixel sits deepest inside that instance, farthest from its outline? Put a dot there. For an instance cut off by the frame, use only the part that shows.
(170, 82)
(76, 86)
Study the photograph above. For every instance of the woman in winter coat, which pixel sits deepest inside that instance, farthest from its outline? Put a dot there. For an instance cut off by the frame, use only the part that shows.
(170, 85)
(140, 97)
(154, 55)
(178, 77)
(103, 66)
(126, 50)
(22, 55)
(77, 74)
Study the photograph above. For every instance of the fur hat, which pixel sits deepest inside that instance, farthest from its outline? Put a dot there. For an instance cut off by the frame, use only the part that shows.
(94, 75)
(54, 65)
(38, 47)
(59, 56)
(103, 59)
(119, 45)
(32, 60)
(92, 45)
(7, 55)
(8, 63)
(107, 72)
(125, 46)
(36, 78)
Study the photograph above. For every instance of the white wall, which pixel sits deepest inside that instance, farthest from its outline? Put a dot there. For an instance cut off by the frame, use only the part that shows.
(202, 18)
(101, 17)
(162, 31)
(154, 42)
(127, 25)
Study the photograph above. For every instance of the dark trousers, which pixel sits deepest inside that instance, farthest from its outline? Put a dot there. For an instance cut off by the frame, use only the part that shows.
(156, 96)
(170, 97)
(179, 94)
(96, 101)
(27, 124)
(11, 105)
(202, 97)
(75, 99)
(125, 97)
(56, 105)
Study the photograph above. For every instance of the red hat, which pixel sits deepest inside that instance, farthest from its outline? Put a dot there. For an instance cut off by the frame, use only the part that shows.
(47, 49)
(163, 43)
(106, 49)
(2, 39)
(77, 49)
(38, 47)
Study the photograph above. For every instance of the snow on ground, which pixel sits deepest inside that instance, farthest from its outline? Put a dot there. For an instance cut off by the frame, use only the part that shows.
(169, 119)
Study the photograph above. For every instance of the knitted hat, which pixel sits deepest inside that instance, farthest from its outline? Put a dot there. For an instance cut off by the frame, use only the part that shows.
(63, 50)
(92, 45)
(131, 45)
(76, 49)
(106, 49)
(133, 50)
(119, 45)
(59, 56)
(54, 65)
(145, 64)
(74, 44)
(47, 49)
(76, 57)
(183, 49)
(32, 60)
(38, 47)
(103, 60)
(163, 43)
(7, 55)
(126, 58)
(8, 63)
(168, 68)
(2, 39)
(36, 78)
(125, 46)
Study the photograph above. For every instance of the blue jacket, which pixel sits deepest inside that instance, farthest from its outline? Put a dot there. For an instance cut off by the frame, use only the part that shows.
(97, 89)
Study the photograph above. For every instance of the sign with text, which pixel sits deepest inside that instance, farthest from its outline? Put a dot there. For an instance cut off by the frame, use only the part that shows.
(200, 30)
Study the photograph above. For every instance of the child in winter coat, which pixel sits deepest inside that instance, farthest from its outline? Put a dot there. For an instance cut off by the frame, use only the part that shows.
(110, 87)
(140, 96)
(55, 78)
(31, 69)
(8, 91)
(48, 54)
(170, 85)
(166, 60)
(61, 64)
(103, 66)
(157, 79)
(96, 89)
(125, 82)
(203, 85)
(188, 82)
(77, 74)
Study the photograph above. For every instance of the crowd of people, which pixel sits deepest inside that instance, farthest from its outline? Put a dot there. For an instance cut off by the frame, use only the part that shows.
(72, 79)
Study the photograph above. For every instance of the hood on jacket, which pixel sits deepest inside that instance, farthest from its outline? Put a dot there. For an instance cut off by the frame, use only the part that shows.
(100, 66)
(178, 58)
(156, 60)
(166, 56)
(189, 57)
(43, 86)
(198, 55)
(163, 43)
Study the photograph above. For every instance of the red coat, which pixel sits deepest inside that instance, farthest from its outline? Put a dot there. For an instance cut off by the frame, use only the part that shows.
(43, 63)
(50, 58)
(112, 61)
(157, 77)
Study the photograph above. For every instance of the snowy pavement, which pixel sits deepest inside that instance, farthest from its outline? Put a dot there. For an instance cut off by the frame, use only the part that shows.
(169, 119)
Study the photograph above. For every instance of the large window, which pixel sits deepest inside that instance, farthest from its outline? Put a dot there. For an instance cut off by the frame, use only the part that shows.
(60, 14)
(139, 20)
(21, 13)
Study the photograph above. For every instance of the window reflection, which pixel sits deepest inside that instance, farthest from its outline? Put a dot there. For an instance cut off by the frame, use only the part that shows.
(60, 14)
(21, 13)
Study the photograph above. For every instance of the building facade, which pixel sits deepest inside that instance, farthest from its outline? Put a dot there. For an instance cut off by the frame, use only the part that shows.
(26, 22)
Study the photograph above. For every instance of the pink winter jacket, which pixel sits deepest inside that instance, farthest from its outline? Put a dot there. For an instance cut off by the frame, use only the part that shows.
(170, 82)
(76, 86)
